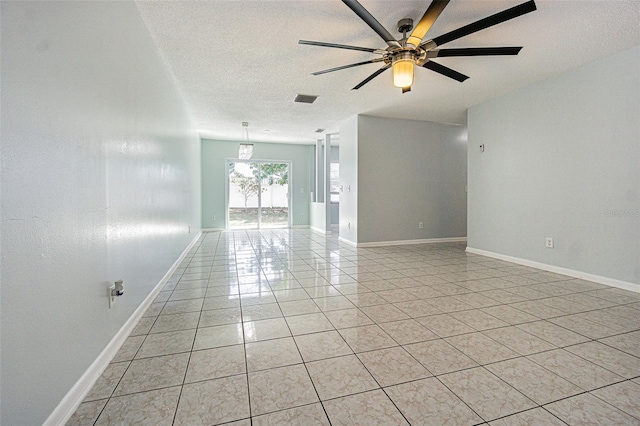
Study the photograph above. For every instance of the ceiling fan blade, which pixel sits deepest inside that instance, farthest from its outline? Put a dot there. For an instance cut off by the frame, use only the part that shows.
(344, 67)
(337, 46)
(372, 76)
(474, 51)
(372, 22)
(433, 11)
(487, 22)
(448, 72)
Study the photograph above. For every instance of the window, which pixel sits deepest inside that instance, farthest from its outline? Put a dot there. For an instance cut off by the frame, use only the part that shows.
(334, 182)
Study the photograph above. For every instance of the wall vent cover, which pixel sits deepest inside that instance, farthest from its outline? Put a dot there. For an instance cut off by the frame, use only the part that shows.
(305, 99)
(319, 130)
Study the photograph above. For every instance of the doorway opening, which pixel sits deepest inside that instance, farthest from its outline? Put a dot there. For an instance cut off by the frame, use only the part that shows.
(258, 194)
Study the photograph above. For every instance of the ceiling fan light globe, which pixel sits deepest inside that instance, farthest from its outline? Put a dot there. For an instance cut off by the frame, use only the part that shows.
(403, 73)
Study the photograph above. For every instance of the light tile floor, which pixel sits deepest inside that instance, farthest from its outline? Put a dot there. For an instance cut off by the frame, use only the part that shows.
(280, 327)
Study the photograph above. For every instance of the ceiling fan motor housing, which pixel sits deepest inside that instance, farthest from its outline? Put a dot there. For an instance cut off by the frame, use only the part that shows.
(404, 55)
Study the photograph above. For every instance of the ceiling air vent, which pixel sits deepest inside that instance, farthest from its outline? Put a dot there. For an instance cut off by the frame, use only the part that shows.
(305, 99)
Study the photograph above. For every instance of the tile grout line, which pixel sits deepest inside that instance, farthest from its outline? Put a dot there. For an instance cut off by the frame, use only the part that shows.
(306, 369)
(186, 370)
(263, 251)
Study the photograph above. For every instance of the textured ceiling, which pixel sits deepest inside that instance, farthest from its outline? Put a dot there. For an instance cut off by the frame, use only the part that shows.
(238, 61)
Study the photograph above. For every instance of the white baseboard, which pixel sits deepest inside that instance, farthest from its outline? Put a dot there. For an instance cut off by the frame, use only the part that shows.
(263, 229)
(81, 388)
(559, 270)
(409, 242)
(347, 242)
(320, 231)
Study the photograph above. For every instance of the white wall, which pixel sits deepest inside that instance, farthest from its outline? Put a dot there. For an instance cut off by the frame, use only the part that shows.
(318, 217)
(334, 207)
(348, 227)
(561, 156)
(100, 181)
(407, 172)
(335, 213)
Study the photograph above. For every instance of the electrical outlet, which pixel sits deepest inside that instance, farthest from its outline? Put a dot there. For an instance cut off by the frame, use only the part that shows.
(549, 242)
(189, 230)
(421, 225)
(348, 225)
(213, 217)
(302, 215)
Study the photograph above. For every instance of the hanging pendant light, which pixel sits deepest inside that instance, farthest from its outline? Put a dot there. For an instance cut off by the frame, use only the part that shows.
(245, 152)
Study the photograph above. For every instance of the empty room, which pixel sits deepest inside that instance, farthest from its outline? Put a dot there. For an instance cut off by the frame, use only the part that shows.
(320, 212)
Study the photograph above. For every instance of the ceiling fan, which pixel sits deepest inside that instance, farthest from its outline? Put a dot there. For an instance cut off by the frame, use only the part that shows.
(410, 51)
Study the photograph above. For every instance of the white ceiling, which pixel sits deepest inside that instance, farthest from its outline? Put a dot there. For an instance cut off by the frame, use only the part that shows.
(238, 61)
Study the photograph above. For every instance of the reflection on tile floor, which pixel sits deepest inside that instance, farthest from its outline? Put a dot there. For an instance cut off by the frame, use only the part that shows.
(279, 327)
